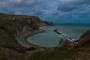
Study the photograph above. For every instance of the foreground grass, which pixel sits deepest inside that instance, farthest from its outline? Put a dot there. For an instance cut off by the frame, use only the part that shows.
(49, 54)
(60, 54)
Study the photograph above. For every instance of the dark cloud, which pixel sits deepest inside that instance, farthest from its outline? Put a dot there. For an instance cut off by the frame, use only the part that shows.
(70, 5)
(48, 9)
(66, 7)
(86, 1)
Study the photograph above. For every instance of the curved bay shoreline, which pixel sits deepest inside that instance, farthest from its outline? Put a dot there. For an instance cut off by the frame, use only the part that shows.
(22, 40)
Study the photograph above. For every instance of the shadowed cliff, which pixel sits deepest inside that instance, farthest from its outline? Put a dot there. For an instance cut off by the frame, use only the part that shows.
(12, 25)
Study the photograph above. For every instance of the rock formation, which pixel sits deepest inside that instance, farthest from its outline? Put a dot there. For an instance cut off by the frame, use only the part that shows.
(66, 44)
(84, 40)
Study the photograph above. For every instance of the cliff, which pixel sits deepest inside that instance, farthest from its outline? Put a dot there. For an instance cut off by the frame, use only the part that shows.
(12, 26)
(84, 40)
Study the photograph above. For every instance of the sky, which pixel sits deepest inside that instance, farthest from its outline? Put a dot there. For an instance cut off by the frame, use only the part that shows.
(59, 11)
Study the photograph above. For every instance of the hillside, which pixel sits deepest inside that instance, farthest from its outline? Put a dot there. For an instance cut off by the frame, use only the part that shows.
(12, 26)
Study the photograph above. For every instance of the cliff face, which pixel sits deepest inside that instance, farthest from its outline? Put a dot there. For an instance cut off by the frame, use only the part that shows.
(12, 25)
(84, 40)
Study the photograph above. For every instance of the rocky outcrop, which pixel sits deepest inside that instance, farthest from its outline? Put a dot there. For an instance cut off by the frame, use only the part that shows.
(66, 44)
(84, 40)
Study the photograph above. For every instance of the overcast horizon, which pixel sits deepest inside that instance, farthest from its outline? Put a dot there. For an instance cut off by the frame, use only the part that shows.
(59, 11)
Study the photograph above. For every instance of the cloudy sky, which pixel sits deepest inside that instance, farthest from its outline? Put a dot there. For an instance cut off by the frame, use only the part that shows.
(61, 11)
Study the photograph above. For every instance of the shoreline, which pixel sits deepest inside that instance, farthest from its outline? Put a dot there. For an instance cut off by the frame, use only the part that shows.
(29, 35)
(22, 40)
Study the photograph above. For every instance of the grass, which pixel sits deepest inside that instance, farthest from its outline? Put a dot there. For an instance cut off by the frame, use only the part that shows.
(60, 54)
(49, 54)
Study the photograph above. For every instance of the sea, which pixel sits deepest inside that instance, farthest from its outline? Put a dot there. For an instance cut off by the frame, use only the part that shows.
(49, 38)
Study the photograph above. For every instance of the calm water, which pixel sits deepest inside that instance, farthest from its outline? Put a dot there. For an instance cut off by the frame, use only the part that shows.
(51, 39)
